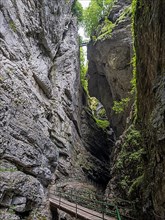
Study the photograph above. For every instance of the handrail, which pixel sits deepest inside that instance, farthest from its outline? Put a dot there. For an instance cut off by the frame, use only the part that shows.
(118, 214)
(90, 201)
(96, 205)
(77, 208)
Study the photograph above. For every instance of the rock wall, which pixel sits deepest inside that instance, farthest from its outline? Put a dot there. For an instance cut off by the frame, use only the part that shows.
(150, 52)
(138, 163)
(110, 70)
(46, 136)
(28, 46)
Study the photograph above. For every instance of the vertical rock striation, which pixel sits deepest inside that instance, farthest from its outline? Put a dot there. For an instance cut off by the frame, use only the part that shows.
(45, 134)
(150, 52)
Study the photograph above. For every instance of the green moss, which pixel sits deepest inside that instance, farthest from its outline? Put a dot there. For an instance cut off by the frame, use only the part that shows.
(137, 183)
(124, 183)
(102, 113)
(106, 30)
(133, 136)
(126, 12)
(104, 124)
(120, 106)
(8, 169)
(134, 3)
(129, 163)
(12, 26)
(134, 79)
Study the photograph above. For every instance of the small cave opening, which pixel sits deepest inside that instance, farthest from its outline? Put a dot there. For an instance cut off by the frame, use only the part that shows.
(49, 116)
(23, 215)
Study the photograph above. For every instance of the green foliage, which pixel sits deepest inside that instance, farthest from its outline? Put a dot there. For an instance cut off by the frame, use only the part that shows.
(101, 123)
(120, 106)
(77, 10)
(129, 163)
(137, 182)
(133, 136)
(93, 103)
(8, 169)
(96, 10)
(126, 12)
(104, 124)
(83, 70)
(102, 113)
(134, 4)
(134, 80)
(106, 29)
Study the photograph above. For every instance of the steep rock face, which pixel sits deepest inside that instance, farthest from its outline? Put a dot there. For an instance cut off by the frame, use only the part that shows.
(110, 69)
(150, 52)
(30, 35)
(46, 136)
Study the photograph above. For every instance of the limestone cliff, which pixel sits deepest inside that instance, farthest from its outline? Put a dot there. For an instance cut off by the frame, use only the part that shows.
(109, 69)
(150, 52)
(46, 136)
(138, 165)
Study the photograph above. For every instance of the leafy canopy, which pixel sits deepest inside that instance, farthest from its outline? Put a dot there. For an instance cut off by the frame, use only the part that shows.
(96, 10)
(83, 70)
(77, 10)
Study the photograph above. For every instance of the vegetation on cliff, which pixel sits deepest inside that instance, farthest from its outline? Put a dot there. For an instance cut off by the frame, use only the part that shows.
(77, 10)
(96, 11)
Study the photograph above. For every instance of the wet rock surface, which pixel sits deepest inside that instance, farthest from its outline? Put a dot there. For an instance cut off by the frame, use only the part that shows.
(150, 52)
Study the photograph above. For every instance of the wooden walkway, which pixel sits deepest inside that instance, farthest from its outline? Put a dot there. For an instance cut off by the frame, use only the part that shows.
(76, 210)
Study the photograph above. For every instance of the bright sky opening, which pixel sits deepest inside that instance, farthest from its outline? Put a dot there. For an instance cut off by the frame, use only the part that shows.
(84, 4)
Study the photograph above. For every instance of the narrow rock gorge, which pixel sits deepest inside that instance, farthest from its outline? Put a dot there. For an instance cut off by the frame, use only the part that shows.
(49, 137)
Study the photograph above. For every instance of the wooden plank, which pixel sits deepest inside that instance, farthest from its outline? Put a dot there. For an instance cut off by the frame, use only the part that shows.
(82, 212)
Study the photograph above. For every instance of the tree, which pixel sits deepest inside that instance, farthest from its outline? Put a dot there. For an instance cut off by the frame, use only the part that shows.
(77, 10)
(83, 70)
(96, 10)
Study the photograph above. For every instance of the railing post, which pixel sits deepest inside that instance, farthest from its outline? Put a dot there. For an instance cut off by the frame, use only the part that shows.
(76, 206)
(103, 208)
(71, 194)
(103, 214)
(60, 200)
(118, 214)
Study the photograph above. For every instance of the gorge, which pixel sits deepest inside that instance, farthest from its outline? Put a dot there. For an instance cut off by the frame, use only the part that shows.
(49, 137)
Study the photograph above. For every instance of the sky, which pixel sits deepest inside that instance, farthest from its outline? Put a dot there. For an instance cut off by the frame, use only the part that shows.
(85, 4)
